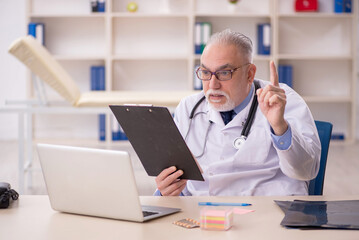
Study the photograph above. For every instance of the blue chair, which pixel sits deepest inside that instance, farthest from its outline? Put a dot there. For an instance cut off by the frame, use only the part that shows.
(325, 132)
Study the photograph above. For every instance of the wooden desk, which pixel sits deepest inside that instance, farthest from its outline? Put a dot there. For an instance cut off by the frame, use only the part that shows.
(31, 217)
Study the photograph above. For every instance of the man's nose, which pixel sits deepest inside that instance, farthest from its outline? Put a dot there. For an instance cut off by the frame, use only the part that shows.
(214, 83)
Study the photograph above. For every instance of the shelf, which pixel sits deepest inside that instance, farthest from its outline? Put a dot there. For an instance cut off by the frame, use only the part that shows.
(312, 57)
(157, 41)
(255, 57)
(90, 15)
(323, 37)
(149, 15)
(233, 15)
(78, 58)
(262, 58)
(327, 99)
(245, 8)
(153, 7)
(149, 57)
(315, 15)
(93, 143)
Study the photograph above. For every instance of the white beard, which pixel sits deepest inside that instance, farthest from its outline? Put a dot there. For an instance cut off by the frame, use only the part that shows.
(227, 106)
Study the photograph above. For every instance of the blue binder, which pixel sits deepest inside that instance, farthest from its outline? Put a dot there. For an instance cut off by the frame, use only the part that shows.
(338, 6)
(264, 38)
(37, 30)
(285, 74)
(347, 6)
(101, 4)
(341, 6)
(98, 82)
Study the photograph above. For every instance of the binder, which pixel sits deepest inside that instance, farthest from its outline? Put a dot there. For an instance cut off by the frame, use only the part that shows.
(114, 129)
(206, 34)
(93, 76)
(97, 83)
(98, 80)
(94, 6)
(285, 74)
(203, 31)
(37, 30)
(102, 127)
(197, 83)
(264, 38)
(347, 5)
(117, 132)
(32, 29)
(338, 6)
(197, 38)
(101, 78)
(101, 5)
(40, 33)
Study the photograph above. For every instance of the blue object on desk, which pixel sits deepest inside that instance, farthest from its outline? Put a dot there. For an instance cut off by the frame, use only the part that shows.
(222, 204)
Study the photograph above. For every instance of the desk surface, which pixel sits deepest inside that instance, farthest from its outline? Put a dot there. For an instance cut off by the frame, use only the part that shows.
(31, 217)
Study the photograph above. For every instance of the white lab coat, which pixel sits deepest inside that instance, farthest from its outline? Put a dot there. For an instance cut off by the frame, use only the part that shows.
(258, 168)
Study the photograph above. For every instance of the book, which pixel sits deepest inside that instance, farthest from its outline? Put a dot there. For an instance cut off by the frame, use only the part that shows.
(285, 74)
(37, 30)
(197, 83)
(97, 75)
(264, 38)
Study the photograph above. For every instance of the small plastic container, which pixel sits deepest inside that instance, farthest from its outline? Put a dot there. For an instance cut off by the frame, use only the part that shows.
(216, 218)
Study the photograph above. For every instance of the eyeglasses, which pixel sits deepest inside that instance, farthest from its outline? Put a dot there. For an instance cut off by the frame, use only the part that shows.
(221, 75)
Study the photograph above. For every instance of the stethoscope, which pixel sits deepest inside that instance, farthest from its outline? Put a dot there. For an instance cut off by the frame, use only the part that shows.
(239, 141)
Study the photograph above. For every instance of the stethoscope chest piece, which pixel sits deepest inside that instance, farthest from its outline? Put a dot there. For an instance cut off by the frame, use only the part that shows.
(239, 141)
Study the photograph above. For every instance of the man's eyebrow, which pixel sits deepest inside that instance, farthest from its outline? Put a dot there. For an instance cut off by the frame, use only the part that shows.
(227, 65)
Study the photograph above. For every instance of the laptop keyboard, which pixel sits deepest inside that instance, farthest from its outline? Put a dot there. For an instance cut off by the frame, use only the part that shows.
(147, 213)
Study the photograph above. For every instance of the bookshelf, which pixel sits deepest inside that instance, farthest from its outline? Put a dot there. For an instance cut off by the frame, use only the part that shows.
(153, 49)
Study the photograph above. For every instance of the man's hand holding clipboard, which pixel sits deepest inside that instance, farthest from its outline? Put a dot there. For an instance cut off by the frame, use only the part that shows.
(159, 145)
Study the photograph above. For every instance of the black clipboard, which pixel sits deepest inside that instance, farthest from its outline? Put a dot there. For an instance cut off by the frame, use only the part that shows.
(156, 139)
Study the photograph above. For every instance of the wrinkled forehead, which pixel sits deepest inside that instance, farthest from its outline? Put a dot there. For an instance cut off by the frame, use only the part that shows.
(221, 55)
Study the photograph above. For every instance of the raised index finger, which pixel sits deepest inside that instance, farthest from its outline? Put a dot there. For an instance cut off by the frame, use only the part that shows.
(273, 75)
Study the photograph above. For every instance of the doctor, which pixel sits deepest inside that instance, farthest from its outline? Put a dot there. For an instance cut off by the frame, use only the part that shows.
(242, 148)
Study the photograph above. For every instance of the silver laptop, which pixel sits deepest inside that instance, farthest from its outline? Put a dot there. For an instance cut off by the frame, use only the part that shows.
(94, 182)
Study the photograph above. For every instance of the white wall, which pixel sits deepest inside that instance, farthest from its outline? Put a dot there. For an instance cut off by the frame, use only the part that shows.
(12, 72)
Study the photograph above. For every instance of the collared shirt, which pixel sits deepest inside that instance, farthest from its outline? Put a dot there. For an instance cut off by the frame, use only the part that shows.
(261, 166)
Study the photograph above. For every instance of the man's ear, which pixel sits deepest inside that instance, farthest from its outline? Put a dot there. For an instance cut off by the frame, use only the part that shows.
(251, 72)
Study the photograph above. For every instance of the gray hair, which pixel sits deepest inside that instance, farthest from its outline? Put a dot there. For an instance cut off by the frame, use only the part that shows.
(229, 37)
